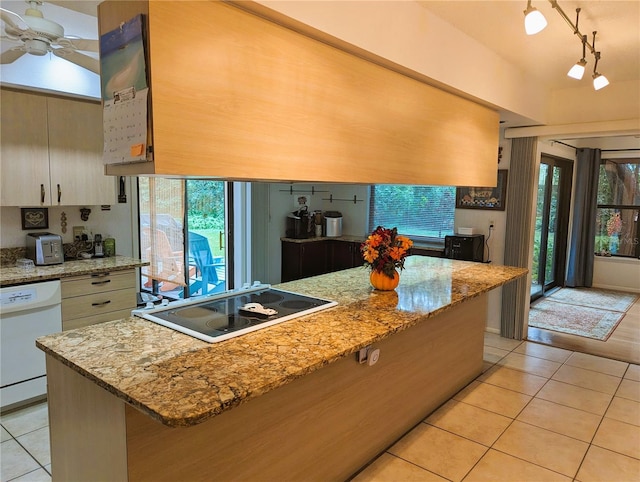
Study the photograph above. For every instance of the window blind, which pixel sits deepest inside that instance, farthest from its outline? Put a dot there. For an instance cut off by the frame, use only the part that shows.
(420, 212)
(161, 205)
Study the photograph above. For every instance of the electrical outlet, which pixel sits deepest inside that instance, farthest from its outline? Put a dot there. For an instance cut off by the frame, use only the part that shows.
(77, 232)
(491, 224)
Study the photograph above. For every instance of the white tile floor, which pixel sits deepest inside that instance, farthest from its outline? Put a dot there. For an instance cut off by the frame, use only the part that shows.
(25, 454)
(537, 413)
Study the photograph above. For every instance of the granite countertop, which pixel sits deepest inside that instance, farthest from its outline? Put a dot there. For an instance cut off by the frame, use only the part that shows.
(182, 381)
(347, 238)
(13, 276)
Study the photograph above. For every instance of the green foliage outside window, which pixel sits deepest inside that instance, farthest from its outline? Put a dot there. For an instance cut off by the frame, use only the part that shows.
(617, 227)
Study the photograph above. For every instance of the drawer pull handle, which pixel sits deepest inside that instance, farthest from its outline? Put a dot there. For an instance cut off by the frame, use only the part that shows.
(42, 193)
(101, 303)
(100, 275)
(101, 282)
(59, 193)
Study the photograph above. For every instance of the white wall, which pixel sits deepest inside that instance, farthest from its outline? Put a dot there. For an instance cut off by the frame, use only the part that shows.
(616, 274)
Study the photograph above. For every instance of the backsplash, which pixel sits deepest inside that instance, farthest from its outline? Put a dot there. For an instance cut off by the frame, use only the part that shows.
(8, 256)
(116, 222)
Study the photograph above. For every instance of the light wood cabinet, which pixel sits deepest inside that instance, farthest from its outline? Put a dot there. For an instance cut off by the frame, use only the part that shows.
(24, 150)
(52, 152)
(75, 154)
(290, 107)
(96, 298)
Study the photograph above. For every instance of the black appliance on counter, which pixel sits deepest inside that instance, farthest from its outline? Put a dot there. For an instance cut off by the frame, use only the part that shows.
(300, 224)
(466, 248)
(233, 313)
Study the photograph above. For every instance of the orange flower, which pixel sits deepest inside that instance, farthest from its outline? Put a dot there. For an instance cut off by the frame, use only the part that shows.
(396, 253)
(405, 242)
(374, 240)
(370, 254)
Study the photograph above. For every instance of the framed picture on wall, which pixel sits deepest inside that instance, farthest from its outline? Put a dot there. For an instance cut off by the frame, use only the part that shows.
(34, 218)
(493, 198)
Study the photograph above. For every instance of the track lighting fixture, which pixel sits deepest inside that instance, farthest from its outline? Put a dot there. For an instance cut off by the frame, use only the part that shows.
(599, 80)
(577, 71)
(535, 22)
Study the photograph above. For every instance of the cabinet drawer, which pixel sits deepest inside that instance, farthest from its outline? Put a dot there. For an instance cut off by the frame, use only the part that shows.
(92, 320)
(98, 283)
(95, 304)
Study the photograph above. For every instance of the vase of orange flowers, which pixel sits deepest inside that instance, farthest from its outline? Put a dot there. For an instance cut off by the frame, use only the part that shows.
(384, 253)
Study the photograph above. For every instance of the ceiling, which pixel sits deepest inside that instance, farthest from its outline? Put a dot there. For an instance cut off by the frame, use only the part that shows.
(498, 24)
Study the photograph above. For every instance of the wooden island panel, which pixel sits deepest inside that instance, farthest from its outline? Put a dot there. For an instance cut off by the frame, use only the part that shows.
(324, 426)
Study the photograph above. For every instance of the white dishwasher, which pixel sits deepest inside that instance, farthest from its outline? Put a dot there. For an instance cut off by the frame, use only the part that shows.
(26, 313)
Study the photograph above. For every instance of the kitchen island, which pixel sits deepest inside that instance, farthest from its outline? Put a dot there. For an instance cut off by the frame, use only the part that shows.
(132, 400)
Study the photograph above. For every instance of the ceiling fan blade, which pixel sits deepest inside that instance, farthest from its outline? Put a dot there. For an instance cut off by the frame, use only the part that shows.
(11, 55)
(8, 17)
(86, 45)
(77, 58)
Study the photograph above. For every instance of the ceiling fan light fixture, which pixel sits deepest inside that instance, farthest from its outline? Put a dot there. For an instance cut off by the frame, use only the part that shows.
(36, 47)
(577, 71)
(599, 81)
(534, 21)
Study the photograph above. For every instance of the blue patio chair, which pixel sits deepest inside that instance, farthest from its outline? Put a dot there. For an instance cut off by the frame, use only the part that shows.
(200, 255)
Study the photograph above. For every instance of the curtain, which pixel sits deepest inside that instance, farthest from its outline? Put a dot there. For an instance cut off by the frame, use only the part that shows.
(583, 224)
(161, 207)
(520, 192)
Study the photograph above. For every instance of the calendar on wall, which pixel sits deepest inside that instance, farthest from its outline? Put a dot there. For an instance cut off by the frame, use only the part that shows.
(123, 78)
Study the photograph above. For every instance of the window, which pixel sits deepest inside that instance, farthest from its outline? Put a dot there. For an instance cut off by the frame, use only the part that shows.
(424, 213)
(183, 263)
(618, 206)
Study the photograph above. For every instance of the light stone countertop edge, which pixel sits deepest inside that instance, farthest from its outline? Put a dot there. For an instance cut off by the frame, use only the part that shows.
(181, 381)
(10, 276)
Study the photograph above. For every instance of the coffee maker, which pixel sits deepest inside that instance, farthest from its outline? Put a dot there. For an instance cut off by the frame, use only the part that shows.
(299, 224)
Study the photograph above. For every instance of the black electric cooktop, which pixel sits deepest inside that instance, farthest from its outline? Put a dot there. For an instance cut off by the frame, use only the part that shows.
(227, 315)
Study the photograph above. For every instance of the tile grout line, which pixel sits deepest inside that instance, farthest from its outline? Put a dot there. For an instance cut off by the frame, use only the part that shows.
(589, 444)
(15, 439)
(491, 447)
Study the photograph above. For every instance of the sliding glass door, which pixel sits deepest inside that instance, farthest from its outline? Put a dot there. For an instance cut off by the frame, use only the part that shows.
(184, 233)
(552, 221)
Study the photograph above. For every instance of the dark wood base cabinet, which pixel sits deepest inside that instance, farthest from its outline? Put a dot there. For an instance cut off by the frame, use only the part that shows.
(302, 259)
(311, 258)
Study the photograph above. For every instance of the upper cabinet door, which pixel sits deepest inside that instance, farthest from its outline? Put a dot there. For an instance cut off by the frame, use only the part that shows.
(75, 154)
(24, 154)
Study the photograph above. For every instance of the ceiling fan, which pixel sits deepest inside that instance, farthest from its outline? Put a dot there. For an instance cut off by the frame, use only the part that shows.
(42, 36)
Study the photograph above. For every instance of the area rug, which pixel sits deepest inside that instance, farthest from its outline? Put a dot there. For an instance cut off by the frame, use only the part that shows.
(576, 320)
(595, 298)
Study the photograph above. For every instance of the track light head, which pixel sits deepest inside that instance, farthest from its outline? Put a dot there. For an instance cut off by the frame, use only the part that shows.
(577, 71)
(599, 80)
(534, 21)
